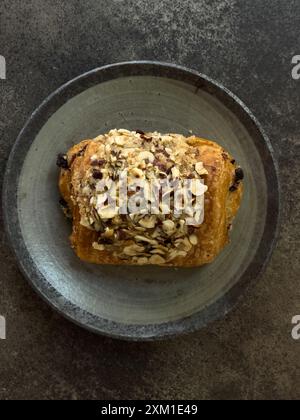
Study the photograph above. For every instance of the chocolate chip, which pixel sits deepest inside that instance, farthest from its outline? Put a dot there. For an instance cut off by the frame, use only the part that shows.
(63, 203)
(225, 155)
(122, 235)
(106, 241)
(98, 162)
(191, 229)
(143, 135)
(81, 152)
(148, 139)
(233, 188)
(164, 152)
(75, 155)
(97, 174)
(232, 161)
(62, 161)
(239, 174)
(162, 167)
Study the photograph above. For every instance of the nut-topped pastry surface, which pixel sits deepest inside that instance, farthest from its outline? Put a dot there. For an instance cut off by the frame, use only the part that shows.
(147, 198)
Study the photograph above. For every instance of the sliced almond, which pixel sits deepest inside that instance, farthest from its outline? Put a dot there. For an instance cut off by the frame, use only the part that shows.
(148, 222)
(186, 245)
(174, 254)
(98, 247)
(144, 239)
(157, 259)
(133, 250)
(119, 140)
(169, 227)
(124, 131)
(84, 222)
(158, 251)
(146, 156)
(193, 239)
(138, 173)
(140, 229)
(200, 169)
(155, 234)
(175, 172)
(108, 212)
(142, 261)
(160, 246)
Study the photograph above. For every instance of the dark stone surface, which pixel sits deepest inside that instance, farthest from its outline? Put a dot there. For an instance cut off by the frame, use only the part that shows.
(248, 46)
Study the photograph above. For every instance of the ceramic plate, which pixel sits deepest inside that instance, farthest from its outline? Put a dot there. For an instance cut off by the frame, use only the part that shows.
(137, 303)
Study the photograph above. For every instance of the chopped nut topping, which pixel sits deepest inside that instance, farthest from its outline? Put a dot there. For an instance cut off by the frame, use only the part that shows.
(146, 156)
(169, 227)
(156, 259)
(98, 247)
(108, 212)
(147, 238)
(62, 161)
(142, 261)
(138, 173)
(148, 222)
(157, 251)
(144, 239)
(133, 250)
(193, 239)
(175, 172)
(200, 169)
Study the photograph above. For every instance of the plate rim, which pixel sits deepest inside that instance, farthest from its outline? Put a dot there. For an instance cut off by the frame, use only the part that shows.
(40, 284)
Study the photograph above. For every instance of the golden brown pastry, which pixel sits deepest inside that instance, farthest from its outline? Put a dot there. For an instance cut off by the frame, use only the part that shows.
(102, 235)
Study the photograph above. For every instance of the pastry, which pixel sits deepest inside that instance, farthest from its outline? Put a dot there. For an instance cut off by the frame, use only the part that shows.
(122, 188)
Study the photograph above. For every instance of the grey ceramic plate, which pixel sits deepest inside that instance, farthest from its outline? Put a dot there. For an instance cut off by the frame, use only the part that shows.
(137, 303)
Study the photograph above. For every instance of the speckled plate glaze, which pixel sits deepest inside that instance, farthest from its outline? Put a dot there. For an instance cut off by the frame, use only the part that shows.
(138, 303)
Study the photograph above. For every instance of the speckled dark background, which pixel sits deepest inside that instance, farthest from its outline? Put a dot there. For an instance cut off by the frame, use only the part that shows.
(248, 46)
